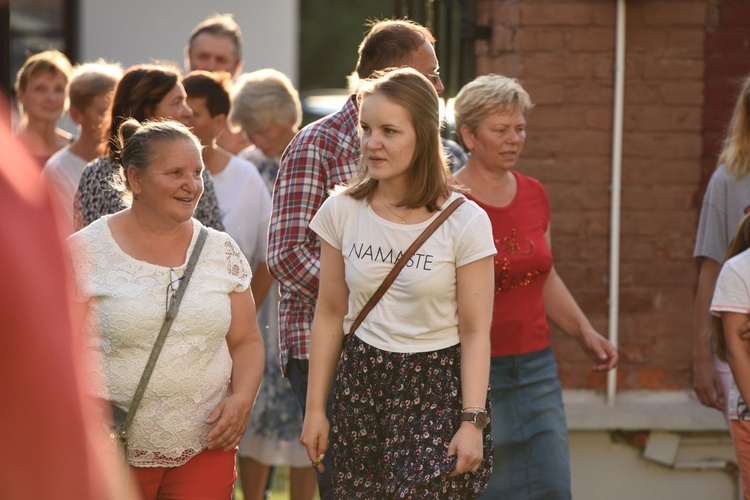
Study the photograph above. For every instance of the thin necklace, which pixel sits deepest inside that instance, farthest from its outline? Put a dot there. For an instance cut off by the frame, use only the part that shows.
(403, 219)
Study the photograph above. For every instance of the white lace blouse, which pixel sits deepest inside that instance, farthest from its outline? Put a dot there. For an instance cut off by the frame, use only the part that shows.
(127, 302)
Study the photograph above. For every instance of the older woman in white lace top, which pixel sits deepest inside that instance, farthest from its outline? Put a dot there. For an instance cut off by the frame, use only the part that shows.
(127, 265)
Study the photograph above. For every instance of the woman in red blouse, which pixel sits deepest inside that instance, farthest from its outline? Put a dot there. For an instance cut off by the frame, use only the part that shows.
(530, 432)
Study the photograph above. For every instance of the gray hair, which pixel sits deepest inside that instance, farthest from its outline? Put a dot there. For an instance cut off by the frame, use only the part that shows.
(264, 97)
(138, 147)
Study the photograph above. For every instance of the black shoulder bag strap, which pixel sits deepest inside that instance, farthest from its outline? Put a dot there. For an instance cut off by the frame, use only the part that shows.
(122, 433)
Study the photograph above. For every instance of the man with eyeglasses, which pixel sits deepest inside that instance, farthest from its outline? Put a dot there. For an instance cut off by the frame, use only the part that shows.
(323, 154)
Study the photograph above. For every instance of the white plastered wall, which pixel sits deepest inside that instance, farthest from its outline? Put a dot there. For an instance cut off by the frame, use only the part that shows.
(137, 31)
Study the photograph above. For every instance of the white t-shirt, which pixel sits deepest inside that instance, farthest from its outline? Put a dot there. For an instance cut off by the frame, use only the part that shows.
(127, 301)
(419, 311)
(62, 172)
(245, 206)
(732, 294)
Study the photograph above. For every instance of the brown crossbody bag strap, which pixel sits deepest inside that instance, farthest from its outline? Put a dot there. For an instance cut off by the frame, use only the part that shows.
(388, 281)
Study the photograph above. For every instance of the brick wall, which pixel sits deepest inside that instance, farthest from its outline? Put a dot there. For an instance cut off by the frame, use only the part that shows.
(563, 54)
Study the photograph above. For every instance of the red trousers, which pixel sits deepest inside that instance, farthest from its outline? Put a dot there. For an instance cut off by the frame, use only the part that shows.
(209, 475)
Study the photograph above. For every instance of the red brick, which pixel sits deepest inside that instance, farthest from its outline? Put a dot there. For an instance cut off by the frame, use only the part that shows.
(570, 376)
(727, 42)
(556, 14)
(677, 300)
(604, 13)
(688, 92)
(581, 223)
(506, 13)
(723, 93)
(574, 249)
(599, 118)
(657, 198)
(634, 353)
(717, 118)
(683, 12)
(650, 249)
(650, 326)
(675, 348)
(673, 69)
(656, 379)
(502, 39)
(664, 275)
(658, 171)
(593, 170)
(633, 68)
(645, 40)
(712, 14)
(508, 64)
(662, 145)
(540, 40)
(557, 118)
(735, 14)
(589, 93)
(583, 142)
(657, 224)
(483, 65)
(572, 277)
(592, 40)
(554, 67)
(662, 118)
(604, 68)
(734, 66)
(640, 92)
(598, 380)
(686, 42)
(579, 197)
(544, 92)
(484, 12)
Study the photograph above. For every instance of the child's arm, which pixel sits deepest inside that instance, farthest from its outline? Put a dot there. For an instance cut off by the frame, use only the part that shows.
(738, 350)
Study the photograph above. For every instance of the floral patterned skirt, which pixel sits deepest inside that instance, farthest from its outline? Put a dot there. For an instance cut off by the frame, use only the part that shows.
(394, 415)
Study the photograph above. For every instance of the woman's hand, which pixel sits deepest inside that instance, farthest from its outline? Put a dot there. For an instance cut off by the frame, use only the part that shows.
(315, 430)
(467, 444)
(230, 417)
(599, 349)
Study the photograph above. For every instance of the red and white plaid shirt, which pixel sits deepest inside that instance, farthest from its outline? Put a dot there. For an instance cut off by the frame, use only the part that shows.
(323, 154)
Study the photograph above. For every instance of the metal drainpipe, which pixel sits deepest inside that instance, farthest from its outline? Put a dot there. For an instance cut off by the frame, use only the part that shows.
(614, 243)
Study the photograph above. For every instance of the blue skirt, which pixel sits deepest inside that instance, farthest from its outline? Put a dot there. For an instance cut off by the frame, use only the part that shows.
(529, 431)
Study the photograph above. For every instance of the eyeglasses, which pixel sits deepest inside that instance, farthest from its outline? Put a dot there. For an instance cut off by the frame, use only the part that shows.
(434, 78)
(171, 290)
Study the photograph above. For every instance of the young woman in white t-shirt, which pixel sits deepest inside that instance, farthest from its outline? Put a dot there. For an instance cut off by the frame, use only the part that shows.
(410, 399)
(731, 309)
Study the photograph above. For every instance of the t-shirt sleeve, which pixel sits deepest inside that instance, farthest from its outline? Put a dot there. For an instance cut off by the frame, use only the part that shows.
(475, 241)
(711, 239)
(238, 268)
(731, 293)
(324, 224)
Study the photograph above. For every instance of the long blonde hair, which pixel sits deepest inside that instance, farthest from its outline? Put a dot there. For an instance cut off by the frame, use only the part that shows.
(740, 242)
(736, 150)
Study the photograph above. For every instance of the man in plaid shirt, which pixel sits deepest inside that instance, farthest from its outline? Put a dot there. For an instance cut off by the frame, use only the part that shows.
(324, 154)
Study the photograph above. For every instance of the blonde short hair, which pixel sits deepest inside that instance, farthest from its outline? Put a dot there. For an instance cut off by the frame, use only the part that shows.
(52, 61)
(90, 80)
(488, 94)
(264, 97)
